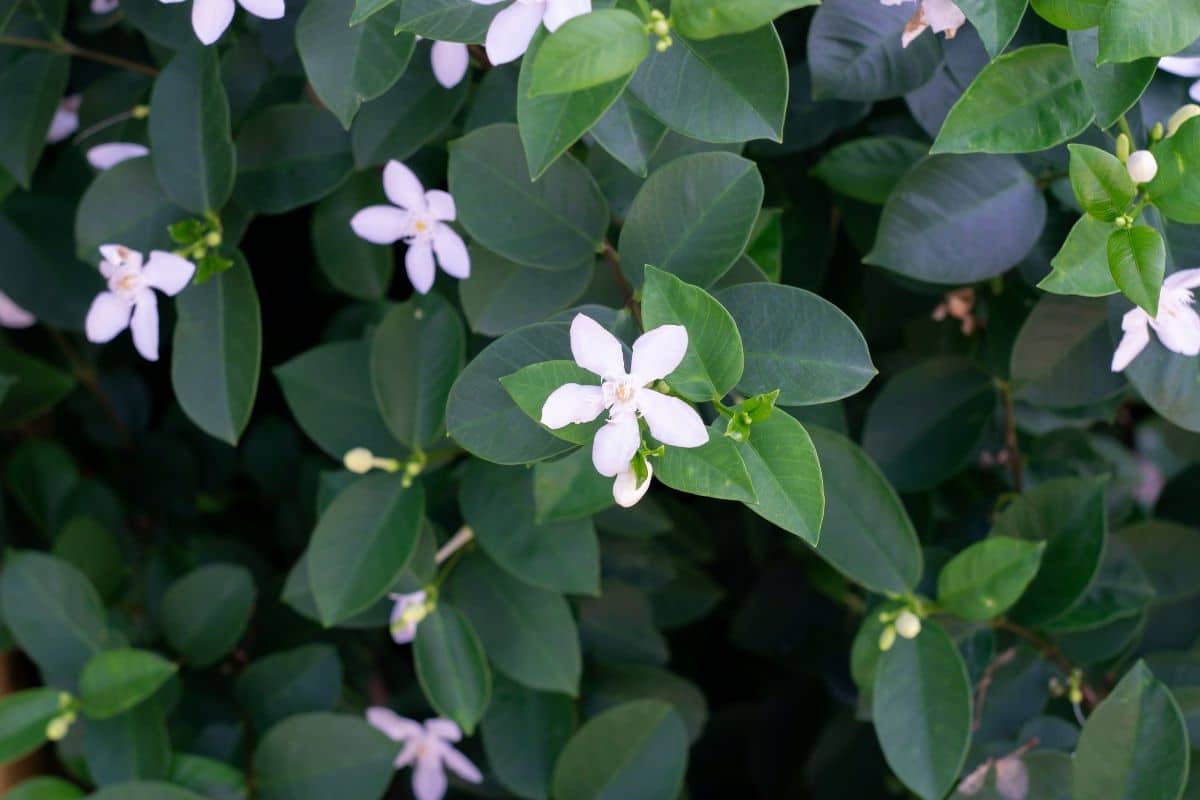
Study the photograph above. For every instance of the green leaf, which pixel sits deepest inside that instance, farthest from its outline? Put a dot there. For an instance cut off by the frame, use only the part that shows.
(1071, 14)
(816, 356)
(855, 52)
(556, 223)
(93, 549)
(940, 223)
(589, 50)
(713, 363)
(996, 21)
(692, 218)
(638, 749)
(715, 469)
(24, 716)
(612, 684)
(53, 613)
(1134, 743)
(530, 386)
(502, 295)
(783, 466)
(619, 626)
(362, 544)
(209, 777)
(416, 353)
(1101, 183)
(708, 19)
(569, 488)
(451, 667)
(446, 20)
(1164, 550)
(528, 633)
(742, 80)
(274, 688)
(318, 756)
(328, 390)
(218, 352)
(190, 140)
(1175, 190)
(926, 423)
(289, 156)
(523, 733)
(986, 579)
(45, 788)
(1081, 266)
(130, 747)
(124, 204)
(630, 134)
(1068, 514)
(497, 503)
(351, 264)
(1138, 259)
(31, 84)
(347, 65)
(1061, 355)
(1131, 29)
(35, 387)
(143, 790)
(1026, 100)
(41, 475)
(115, 681)
(868, 169)
(205, 612)
(922, 711)
(1112, 88)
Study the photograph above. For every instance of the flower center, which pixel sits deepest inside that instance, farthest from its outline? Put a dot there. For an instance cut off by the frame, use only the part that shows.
(624, 392)
(126, 283)
(419, 227)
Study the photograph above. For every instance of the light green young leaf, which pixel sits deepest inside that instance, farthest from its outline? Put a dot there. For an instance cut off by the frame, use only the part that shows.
(1101, 183)
(1137, 258)
(589, 50)
(1132, 29)
(115, 681)
(712, 470)
(1081, 266)
(984, 580)
(708, 19)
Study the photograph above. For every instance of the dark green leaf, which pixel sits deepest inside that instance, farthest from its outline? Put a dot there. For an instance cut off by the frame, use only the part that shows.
(1061, 355)
(289, 156)
(35, 386)
(786, 474)
(868, 169)
(712, 470)
(298, 681)
(24, 716)
(352, 264)
(318, 756)
(1112, 88)
(451, 667)
(589, 50)
(502, 295)
(115, 681)
(984, 580)
(523, 733)
(205, 612)
(31, 85)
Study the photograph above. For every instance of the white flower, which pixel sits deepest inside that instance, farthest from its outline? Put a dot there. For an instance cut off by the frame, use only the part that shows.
(420, 220)
(130, 301)
(210, 18)
(105, 6)
(12, 315)
(1177, 323)
(626, 491)
(107, 156)
(1184, 67)
(908, 624)
(66, 119)
(428, 747)
(408, 612)
(941, 15)
(513, 28)
(624, 395)
(450, 60)
(1141, 166)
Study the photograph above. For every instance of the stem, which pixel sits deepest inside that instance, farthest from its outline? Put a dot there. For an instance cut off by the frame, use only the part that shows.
(87, 376)
(1050, 651)
(1011, 443)
(67, 48)
(1125, 129)
(101, 125)
(457, 541)
(614, 266)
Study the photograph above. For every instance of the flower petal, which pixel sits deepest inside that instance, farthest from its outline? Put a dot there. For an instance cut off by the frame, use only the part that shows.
(572, 403)
(443, 728)
(441, 205)
(451, 252)
(595, 349)
(403, 187)
(486, 2)
(145, 325)
(12, 315)
(657, 353)
(1183, 66)
(418, 261)
(512, 30)
(1184, 279)
(1137, 335)
(168, 272)
(671, 421)
(118, 255)
(210, 18)
(626, 491)
(107, 156)
(944, 16)
(1180, 333)
(380, 224)
(108, 316)
(460, 765)
(559, 11)
(1194, 92)
(65, 121)
(392, 725)
(429, 779)
(264, 9)
(615, 445)
(450, 61)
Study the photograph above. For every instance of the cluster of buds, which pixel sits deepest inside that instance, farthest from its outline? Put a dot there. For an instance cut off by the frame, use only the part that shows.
(959, 304)
(660, 26)
(360, 461)
(57, 728)
(903, 623)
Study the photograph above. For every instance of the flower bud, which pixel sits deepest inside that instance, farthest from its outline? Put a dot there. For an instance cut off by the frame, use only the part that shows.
(1181, 116)
(908, 624)
(1141, 166)
(140, 112)
(887, 638)
(664, 44)
(213, 239)
(1123, 148)
(660, 28)
(359, 460)
(58, 727)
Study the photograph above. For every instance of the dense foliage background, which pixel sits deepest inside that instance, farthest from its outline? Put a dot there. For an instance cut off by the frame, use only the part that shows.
(922, 269)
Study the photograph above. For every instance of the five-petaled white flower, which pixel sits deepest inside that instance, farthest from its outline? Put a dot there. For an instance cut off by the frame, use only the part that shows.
(625, 395)
(408, 612)
(513, 28)
(419, 218)
(941, 15)
(1184, 67)
(428, 748)
(129, 301)
(210, 18)
(1177, 323)
(66, 119)
(106, 156)
(12, 315)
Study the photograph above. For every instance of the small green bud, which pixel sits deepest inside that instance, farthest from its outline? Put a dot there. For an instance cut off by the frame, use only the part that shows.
(213, 239)
(887, 638)
(1123, 148)
(664, 44)
(1181, 116)
(1156, 133)
(140, 112)
(660, 28)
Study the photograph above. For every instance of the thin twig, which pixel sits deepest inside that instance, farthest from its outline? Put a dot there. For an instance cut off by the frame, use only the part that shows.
(985, 683)
(458, 540)
(1011, 443)
(614, 266)
(63, 46)
(87, 376)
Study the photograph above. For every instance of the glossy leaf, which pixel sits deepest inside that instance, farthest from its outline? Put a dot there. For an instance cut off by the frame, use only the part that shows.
(1132, 29)
(589, 50)
(115, 681)
(786, 474)
(1101, 183)
(1061, 355)
(310, 756)
(708, 19)
(24, 716)
(983, 581)
(716, 469)
(205, 612)
(1137, 257)
(289, 156)
(452, 667)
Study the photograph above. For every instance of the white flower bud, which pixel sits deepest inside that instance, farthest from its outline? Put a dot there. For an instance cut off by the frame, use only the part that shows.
(1181, 116)
(908, 624)
(1142, 166)
(359, 460)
